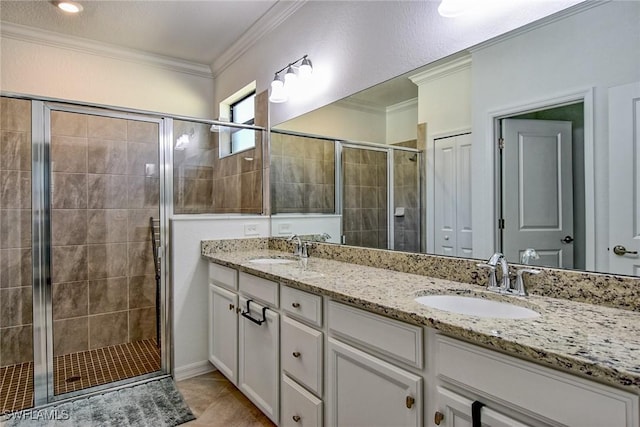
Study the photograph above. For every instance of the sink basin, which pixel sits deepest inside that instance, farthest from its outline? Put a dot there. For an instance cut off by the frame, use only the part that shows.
(272, 260)
(477, 307)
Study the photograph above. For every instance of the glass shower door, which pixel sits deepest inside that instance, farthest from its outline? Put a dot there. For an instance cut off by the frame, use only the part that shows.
(364, 194)
(104, 192)
(406, 201)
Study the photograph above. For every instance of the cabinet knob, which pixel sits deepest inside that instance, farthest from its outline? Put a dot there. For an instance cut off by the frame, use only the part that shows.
(296, 418)
(296, 354)
(231, 306)
(438, 417)
(410, 401)
(295, 305)
(238, 310)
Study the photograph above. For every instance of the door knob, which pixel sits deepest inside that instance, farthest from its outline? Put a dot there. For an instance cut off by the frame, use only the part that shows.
(621, 250)
(567, 239)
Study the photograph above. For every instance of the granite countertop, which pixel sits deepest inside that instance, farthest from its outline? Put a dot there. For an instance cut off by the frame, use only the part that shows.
(590, 340)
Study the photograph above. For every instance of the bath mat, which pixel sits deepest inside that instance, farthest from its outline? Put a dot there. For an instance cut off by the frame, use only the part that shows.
(154, 404)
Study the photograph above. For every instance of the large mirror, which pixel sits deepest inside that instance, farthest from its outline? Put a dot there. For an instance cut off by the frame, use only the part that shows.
(527, 141)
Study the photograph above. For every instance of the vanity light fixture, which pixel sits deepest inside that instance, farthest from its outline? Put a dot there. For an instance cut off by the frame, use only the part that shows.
(69, 6)
(281, 88)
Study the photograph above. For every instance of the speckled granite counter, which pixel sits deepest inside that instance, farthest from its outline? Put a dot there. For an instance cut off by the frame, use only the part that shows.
(598, 342)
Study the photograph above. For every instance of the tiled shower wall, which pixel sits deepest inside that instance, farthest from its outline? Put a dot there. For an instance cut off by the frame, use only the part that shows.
(302, 174)
(365, 197)
(405, 193)
(105, 188)
(16, 333)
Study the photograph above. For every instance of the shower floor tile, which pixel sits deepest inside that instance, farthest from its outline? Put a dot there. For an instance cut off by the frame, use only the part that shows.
(77, 371)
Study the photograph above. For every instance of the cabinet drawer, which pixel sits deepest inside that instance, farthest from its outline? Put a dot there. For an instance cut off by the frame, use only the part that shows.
(389, 337)
(302, 305)
(553, 395)
(223, 276)
(301, 353)
(299, 407)
(258, 288)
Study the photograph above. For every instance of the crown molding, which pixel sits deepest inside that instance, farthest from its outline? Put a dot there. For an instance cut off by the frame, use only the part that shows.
(276, 15)
(360, 105)
(402, 106)
(572, 10)
(442, 70)
(49, 38)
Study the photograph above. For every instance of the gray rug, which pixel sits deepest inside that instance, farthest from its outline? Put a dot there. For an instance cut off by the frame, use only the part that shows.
(154, 404)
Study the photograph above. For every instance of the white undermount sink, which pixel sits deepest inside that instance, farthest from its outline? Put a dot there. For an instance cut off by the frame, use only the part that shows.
(479, 307)
(272, 260)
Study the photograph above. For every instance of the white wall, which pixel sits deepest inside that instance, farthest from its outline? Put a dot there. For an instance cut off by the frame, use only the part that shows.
(190, 283)
(402, 122)
(354, 45)
(341, 121)
(538, 65)
(80, 72)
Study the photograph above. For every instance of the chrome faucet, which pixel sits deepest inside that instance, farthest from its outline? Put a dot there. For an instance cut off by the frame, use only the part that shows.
(491, 264)
(301, 249)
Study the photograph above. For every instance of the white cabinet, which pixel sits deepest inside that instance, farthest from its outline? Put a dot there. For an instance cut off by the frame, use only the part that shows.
(301, 354)
(456, 411)
(367, 391)
(223, 331)
(299, 407)
(258, 357)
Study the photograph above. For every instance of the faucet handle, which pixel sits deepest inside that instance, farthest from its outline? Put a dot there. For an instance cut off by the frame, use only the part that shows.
(520, 288)
(493, 282)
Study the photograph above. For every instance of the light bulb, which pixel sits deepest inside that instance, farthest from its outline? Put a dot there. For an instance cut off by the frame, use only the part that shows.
(290, 81)
(278, 93)
(70, 6)
(305, 70)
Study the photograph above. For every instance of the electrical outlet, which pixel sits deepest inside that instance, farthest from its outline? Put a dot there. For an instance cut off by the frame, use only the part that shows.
(251, 229)
(284, 228)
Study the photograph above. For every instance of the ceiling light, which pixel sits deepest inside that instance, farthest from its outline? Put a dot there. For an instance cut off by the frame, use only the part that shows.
(69, 6)
(454, 8)
(281, 89)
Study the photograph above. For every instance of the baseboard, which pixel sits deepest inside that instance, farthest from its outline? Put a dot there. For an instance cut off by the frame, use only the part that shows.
(193, 370)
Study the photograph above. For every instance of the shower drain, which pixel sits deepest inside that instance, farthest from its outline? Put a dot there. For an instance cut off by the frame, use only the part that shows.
(73, 379)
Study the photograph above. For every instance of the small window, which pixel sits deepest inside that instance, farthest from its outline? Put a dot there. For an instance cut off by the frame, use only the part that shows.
(243, 112)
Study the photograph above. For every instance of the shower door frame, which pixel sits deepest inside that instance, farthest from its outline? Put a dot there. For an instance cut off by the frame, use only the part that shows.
(359, 145)
(41, 245)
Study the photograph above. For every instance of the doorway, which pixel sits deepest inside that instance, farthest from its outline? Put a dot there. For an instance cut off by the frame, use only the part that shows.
(542, 186)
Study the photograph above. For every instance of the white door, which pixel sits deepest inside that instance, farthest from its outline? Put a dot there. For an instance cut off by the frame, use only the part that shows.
(366, 391)
(452, 163)
(624, 179)
(223, 332)
(258, 362)
(455, 411)
(537, 191)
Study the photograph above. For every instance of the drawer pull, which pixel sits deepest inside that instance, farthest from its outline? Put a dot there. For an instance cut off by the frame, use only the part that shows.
(438, 417)
(295, 304)
(231, 306)
(296, 354)
(247, 314)
(296, 418)
(410, 401)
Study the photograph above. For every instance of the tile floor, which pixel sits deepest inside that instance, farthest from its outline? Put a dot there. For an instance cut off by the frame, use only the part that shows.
(216, 402)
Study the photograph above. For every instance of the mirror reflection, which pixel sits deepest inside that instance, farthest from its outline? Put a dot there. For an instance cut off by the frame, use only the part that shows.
(524, 144)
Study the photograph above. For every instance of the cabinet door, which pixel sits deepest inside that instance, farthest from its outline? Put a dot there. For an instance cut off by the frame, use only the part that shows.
(258, 359)
(223, 331)
(367, 391)
(455, 411)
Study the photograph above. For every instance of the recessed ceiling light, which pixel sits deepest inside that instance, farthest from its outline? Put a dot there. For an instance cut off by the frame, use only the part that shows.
(69, 6)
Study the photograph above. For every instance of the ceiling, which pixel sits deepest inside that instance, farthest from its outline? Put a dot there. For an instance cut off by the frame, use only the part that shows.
(195, 31)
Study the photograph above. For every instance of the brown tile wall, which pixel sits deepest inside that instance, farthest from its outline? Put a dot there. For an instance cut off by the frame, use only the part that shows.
(302, 175)
(406, 236)
(365, 197)
(16, 333)
(205, 183)
(103, 194)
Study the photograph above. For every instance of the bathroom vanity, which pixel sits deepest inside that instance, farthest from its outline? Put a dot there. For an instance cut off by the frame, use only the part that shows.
(317, 342)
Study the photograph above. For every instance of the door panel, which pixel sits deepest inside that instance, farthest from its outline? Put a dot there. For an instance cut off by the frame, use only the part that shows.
(537, 190)
(624, 177)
